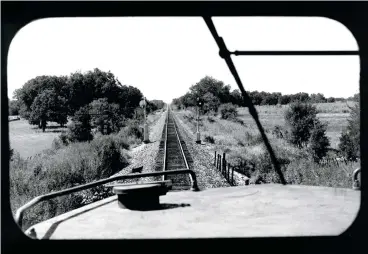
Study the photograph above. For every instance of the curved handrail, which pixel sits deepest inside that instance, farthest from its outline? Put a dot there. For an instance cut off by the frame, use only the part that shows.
(38, 199)
(356, 184)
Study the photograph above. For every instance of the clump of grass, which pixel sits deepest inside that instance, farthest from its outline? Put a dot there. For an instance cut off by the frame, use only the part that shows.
(210, 119)
(209, 139)
(305, 172)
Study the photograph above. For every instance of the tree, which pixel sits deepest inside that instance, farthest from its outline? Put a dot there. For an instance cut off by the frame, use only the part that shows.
(210, 103)
(158, 103)
(271, 99)
(350, 137)
(105, 116)
(188, 100)
(14, 107)
(236, 97)
(284, 99)
(331, 99)
(48, 106)
(228, 111)
(356, 97)
(80, 129)
(256, 97)
(211, 85)
(317, 98)
(301, 97)
(319, 142)
(34, 87)
(128, 99)
(301, 118)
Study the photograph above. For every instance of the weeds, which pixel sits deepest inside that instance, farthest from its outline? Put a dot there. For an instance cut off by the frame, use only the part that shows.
(209, 139)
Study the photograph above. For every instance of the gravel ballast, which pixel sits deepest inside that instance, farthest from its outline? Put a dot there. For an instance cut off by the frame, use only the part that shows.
(207, 174)
(145, 154)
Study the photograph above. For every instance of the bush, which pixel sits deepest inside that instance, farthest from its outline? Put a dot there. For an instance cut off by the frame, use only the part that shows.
(301, 117)
(350, 138)
(130, 134)
(319, 142)
(76, 164)
(64, 138)
(209, 139)
(278, 131)
(228, 111)
(210, 119)
(56, 143)
(80, 129)
(239, 121)
(109, 155)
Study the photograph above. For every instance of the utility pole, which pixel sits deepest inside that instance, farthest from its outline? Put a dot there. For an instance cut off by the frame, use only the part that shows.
(198, 141)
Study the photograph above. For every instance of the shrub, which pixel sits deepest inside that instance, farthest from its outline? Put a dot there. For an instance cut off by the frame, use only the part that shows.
(237, 120)
(319, 142)
(228, 111)
(278, 132)
(56, 143)
(209, 139)
(350, 138)
(64, 138)
(80, 129)
(210, 119)
(69, 166)
(109, 155)
(301, 117)
(133, 128)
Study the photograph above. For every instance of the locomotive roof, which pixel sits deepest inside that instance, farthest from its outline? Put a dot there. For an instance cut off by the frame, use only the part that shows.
(244, 211)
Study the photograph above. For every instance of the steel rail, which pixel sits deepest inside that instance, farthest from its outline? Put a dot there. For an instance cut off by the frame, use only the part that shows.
(38, 199)
(181, 147)
(165, 146)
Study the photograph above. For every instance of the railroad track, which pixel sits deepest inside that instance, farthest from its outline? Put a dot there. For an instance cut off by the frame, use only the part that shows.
(173, 155)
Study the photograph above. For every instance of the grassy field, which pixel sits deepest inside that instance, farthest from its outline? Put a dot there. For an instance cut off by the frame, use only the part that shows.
(334, 114)
(29, 140)
(242, 143)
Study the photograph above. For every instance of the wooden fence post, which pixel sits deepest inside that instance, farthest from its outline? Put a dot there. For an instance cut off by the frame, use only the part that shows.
(223, 164)
(228, 172)
(232, 176)
(219, 163)
(215, 158)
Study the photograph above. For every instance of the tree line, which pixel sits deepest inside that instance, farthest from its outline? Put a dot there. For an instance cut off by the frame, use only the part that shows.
(214, 92)
(305, 129)
(96, 93)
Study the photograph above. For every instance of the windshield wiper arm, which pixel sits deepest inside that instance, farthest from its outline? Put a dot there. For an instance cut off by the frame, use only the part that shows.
(226, 55)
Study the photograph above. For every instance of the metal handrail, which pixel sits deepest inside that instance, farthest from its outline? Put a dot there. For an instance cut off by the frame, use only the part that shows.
(356, 184)
(38, 199)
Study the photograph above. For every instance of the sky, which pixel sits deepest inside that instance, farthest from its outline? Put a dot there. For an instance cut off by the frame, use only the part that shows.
(164, 56)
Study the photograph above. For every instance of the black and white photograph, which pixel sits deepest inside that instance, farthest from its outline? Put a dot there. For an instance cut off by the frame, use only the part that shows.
(184, 127)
